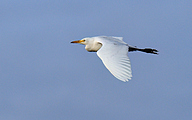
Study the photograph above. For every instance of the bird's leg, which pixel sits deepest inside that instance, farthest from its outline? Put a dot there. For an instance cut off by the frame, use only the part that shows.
(147, 50)
(131, 49)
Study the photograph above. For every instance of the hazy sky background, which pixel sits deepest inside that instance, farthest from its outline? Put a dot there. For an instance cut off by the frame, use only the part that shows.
(44, 77)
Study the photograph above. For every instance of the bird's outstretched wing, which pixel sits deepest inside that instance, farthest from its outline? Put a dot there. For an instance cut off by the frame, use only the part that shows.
(115, 57)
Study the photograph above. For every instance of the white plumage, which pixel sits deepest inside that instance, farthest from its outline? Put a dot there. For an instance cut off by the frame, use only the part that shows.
(113, 52)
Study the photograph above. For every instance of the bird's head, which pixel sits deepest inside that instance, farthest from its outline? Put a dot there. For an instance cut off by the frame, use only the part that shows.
(91, 44)
(84, 41)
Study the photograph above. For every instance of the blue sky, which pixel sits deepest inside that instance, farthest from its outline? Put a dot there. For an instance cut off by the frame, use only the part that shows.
(43, 76)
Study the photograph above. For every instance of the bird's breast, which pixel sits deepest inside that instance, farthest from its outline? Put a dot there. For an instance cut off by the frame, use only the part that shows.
(94, 47)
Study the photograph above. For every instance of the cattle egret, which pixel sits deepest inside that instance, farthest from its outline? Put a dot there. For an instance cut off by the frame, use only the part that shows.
(113, 52)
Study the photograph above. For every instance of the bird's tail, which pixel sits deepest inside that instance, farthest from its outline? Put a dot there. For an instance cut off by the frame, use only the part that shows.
(147, 50)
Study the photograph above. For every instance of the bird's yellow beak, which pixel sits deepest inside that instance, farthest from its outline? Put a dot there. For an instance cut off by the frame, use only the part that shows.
(78, 41)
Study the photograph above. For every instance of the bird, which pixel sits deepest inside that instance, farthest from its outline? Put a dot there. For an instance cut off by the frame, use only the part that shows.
(113, 52)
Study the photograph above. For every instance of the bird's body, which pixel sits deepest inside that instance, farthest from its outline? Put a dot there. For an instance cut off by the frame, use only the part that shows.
(113, 52)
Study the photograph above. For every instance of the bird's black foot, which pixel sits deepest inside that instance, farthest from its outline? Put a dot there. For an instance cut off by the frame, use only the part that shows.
(149, 50)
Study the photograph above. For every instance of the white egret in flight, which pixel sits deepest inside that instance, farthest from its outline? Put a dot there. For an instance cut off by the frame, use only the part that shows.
(113, 51)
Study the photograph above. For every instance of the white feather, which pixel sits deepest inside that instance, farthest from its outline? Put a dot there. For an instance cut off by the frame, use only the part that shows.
(114, 54)
(113, 51)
